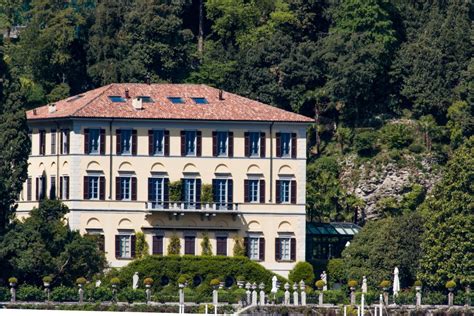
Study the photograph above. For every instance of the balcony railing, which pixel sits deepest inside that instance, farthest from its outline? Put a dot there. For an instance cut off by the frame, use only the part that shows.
(191, 206)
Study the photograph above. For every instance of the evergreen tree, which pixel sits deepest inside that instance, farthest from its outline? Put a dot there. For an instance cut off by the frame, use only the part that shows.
(448, 241)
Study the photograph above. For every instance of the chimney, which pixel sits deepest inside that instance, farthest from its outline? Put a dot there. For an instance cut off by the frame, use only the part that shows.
(221, 95)
(127, 93)
(137, 103)
(52, 107)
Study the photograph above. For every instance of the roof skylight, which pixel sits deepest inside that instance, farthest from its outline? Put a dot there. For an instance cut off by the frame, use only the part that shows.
(74, 98)
(146, 99)
(200, 100)
(116, 98)
(176, 100)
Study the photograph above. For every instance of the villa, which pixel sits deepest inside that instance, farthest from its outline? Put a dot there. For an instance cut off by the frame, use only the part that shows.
(173, 160)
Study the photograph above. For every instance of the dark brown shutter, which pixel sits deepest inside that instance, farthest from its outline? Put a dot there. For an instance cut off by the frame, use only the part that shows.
(157, 248)
(101, 188)
(221, 246)
(278, 144)
(42, 135)
(117, 246)
(247, 144)
(101, 243)
(151, 142)
(293, 145)
(293, 192)
(230, 141)
(134, 188)
(199, 143)
(198, 193)
(277, 249)
(262, 191)
(167, 143)
(61, 138)
(214, 190)
(61, 179)
(134, 142)
(37, 189)
(246, 246)
(118, 189)
(68, 143)
(151, 194)
(86, 141)
(102, 141)
(262, 145)
(118, 138)
(214, 144)
(246, 191)
(66, 183)
(230, 193)
(166, 193)
(189, 245)
(28, 189)
(261, 249)
(183, 143)
(133, 241)
(293, 249)
(86, 188)
(277, 192)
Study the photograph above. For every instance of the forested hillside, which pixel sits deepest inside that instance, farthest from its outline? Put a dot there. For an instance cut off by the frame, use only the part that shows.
(389, 83)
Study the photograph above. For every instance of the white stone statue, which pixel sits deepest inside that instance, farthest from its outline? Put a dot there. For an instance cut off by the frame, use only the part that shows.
(324, 278)
(364, 284)
(274, 284)
(98, 283)
(135, 281)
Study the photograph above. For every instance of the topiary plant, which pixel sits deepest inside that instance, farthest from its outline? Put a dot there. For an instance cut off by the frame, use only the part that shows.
(417, 283)
(47, 279)
(148, 281)
(239, 248)
(240, 278)
(175, 188)
(302, 271)
(81, 281)
(215, 282)
(183, 279)
(174, 247)
(385, 284)
(115, 281)
(352, 283)
(206, 245)
(13, 280)
(320, 284)
(206, 194)
(450, 284)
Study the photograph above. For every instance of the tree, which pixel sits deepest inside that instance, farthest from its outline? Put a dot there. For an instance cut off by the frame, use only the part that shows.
(448, 241)
(44, 245)
(174, 247)
(14, 144)
(141, 245)
(206, 245)
(302, 271)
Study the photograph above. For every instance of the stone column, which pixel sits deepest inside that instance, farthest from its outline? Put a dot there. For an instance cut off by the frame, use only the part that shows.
(249, 294)
(303, 293)
(451, 297)
(353, 296)
(262, 294)
(148, 293)
(468, 297)
(254, 294)
(181, 298)
(287, 294)
(13, 292)
(418, 296)
(81, 294)
(295, 294)
(215, 297)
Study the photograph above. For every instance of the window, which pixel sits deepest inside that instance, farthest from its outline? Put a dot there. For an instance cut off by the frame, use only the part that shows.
(156, 193)
(93, 188)
(200, 100)
(125, 246)
(42, 142)
(254, 144)
(285, 144)
(190, 193)
(64, 188)
(157, 245)
(222, 143)
(28, 189)
(41, 188)
(176, 100)
(65, 141)
(116, 99)
(53, 142)
(254, 253)
(223, 190)
(254, 189)
(189, 245)
(285, 244)
(285, 191)
(190, 149)
(158, 143)
(126, 141)
(94, 141)
(146, 99)
(221, 246)
(52, 188)
(285, 249)
(125, 188)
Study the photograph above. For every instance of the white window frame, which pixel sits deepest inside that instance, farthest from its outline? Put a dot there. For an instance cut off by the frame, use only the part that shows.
(94, 180)
(251, 141)
(191, 143)
(94, 141)
(123, 141)
(254, 248)
(65, 144)
(128, 188)
(283, 135)
(285, 248)
(158, 203)
(158, 137)
(125, 253)
(223, 197)
(251, 195)
(53, 141)
(63, 185)
(219, 136)
(283, 182)
(190, 200)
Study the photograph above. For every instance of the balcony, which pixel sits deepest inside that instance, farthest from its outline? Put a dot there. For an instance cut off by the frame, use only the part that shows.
(192, 207)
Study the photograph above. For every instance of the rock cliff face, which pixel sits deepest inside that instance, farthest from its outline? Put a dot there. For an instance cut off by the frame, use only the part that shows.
(374, 180)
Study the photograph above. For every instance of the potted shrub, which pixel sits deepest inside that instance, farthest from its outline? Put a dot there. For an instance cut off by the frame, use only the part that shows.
(115, 282)
(81, 281)
(13, 281)
(183, 280)
(320, 284)
(47, 281)
(450, 285)
(385, 285)
(418, 285)
(148, 282)
(215, 283)
(352, 284)
(240, 281)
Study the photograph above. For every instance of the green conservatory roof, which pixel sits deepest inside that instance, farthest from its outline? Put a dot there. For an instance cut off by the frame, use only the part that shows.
(336, 228)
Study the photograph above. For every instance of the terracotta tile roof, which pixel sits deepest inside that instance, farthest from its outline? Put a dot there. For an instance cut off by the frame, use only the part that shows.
(97, 104)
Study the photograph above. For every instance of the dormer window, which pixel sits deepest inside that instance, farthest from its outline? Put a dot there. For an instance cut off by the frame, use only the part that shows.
(146, 99)
(176, 100)
(200, 100)
(116, 98)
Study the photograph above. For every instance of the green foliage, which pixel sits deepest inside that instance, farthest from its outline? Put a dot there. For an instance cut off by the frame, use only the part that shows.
(448, 240)
(99, 294)
(214, 282)
(141, 246)
(174, 247)
(12, 280)
(206, 194)
(30, 293)
(115, 281)
(81, 281)
(206, 245)
(320, 284)
(365, 143)
(148, 281)
(450, 284)
(461, 122)
(130, 295)
(239, 248)
(418, 283)
(184, 279)
(385, 284)
(397, 136)
(175, 188)
(352, 283)
(64, 294)
(405, 298)
(47, 279)
(336, 270)
(4, 294)
(302, 271)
